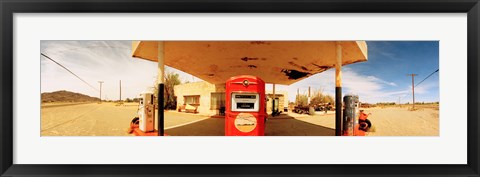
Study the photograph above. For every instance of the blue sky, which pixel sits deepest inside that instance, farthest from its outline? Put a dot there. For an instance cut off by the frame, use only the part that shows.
(383, 78)
(392, 61)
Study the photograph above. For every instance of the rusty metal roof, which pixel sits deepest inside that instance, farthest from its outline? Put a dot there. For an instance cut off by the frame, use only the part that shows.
(279, 62)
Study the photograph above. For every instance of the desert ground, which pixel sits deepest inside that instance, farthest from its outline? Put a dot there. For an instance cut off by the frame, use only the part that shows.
(107, 119)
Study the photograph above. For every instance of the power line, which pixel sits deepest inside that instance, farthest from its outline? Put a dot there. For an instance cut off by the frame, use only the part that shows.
(427, 77)
(69, 71)
(420, 83)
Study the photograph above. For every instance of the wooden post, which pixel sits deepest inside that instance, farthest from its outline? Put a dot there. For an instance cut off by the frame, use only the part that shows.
(338, 90)
(160, 81)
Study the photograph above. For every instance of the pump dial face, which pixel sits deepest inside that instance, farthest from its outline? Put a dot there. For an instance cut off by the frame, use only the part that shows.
(245, 122)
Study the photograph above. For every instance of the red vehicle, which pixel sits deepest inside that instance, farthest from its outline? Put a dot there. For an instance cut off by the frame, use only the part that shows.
(245, 111)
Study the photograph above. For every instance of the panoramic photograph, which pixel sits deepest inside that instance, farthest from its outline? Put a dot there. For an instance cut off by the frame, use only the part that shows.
(239, 88)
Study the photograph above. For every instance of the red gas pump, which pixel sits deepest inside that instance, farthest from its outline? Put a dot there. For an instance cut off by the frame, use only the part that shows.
(245, 112)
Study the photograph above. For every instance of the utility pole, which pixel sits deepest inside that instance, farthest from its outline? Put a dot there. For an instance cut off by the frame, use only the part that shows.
(400, 101)
(308, 101)
(413, 88)
(120, 91)
(308, 91)
(101, 82)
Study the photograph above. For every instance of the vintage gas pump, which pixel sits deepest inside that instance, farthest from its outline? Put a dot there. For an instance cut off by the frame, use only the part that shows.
(350, 114)
(245, 111)
(146, 112)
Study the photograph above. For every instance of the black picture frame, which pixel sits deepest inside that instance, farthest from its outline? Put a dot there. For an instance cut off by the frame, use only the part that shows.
(9, 7)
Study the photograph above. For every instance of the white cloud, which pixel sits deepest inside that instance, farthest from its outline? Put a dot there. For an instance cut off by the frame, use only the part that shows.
(375, 79)
(94, 61)
(368, 88)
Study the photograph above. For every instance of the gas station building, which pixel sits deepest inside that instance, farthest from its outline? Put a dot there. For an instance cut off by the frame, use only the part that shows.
(210, 98)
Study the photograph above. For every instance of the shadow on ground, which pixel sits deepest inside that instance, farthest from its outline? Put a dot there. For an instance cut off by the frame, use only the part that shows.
(285, 126)
(295, 127)
(207, 127)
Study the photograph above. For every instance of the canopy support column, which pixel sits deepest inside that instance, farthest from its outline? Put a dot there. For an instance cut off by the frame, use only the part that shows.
(273, 101)
(161, 87)
(338, 90)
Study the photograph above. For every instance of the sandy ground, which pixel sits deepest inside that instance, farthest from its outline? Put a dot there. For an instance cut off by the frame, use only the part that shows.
(393, 121)
(106, 119)
(402, 122)
(95, 119)
(92, 119)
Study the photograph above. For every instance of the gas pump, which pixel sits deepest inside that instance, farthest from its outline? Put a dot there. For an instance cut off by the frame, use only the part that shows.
(350, 115)
(146, 112)
(245, 111)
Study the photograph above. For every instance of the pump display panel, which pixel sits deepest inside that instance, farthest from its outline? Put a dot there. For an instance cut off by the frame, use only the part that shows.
(245, 102)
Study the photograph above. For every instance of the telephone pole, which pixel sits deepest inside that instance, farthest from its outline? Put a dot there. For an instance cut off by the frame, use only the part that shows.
(101, 82)
(413, 88)
(308, 100)
(120, 91)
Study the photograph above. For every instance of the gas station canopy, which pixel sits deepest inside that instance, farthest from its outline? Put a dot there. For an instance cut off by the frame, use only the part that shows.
(279, 62)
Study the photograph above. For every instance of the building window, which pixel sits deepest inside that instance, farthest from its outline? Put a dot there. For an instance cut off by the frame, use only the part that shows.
(193, 100)
(217, 100)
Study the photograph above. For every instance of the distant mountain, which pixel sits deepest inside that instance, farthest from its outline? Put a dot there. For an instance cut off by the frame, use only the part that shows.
(66, 96)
